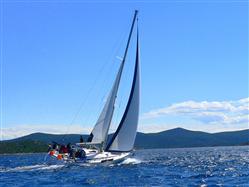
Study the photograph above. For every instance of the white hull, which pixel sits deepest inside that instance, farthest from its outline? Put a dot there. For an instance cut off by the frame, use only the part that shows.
(93, 156)
(106, 157)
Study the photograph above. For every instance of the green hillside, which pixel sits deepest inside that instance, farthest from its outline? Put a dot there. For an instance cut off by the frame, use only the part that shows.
(23, 146)
(174, 138)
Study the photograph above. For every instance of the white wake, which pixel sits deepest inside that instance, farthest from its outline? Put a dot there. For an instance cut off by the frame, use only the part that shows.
(31, 168)
(130, 161)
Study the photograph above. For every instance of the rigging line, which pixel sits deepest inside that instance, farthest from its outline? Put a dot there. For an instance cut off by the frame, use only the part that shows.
(117, 45)
(84, 101)
(104, 95)
(123, 38)
(1, 73)
(91, 113)
(107, 77)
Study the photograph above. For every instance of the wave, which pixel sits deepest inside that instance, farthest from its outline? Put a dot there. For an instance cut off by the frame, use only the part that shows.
(37, 167)
(31, 168)
(130, 161)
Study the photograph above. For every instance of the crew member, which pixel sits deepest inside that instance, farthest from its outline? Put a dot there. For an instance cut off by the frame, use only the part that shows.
(81, 139)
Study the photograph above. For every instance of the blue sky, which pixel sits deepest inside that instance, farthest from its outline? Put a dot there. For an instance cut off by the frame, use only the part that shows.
(194, 58)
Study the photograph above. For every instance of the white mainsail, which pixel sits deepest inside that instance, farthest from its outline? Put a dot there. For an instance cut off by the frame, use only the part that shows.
(100, 131)
(124, 137)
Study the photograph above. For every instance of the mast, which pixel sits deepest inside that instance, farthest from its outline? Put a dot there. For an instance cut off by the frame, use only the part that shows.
(129, 38)
(121, 69)
(100, 131)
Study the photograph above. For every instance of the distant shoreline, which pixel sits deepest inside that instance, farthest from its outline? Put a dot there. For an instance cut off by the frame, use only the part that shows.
(29, 153)
(174, 138)
(6, 154)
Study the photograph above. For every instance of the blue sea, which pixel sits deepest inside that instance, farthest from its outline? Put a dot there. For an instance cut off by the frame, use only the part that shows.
(214, 166)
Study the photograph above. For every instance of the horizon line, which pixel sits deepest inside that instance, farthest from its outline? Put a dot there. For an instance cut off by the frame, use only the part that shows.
(137, 132)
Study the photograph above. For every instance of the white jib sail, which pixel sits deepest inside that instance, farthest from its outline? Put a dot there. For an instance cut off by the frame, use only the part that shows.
(100, 130)
(124, 137)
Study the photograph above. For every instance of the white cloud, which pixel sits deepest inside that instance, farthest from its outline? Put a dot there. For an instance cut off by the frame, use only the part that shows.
(223, 116)
(22, 130)
(215, 112)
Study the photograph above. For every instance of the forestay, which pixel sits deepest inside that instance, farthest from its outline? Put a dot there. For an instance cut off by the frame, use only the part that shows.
(101, 128)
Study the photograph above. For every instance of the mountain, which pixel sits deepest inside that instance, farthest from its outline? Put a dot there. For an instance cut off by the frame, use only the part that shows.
(48, 138)
(174, 138)
(179, 137)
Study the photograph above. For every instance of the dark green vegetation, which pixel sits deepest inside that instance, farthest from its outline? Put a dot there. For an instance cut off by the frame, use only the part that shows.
(174, 138)
(23, 146)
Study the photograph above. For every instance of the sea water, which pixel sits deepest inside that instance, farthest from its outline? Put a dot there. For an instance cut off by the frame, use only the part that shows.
(216, 166)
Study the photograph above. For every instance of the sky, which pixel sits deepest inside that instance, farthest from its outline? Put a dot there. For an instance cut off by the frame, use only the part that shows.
(59, 59)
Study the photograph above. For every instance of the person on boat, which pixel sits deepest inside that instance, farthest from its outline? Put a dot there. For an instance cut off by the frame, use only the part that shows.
(81, 139)
(49, 147)
(80, 154)
(69, 150)
(72, 154)
(55, 146)
(90, 138)
(63, 149)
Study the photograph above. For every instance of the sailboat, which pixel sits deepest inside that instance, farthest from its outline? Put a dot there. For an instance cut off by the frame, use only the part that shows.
(99, 148)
